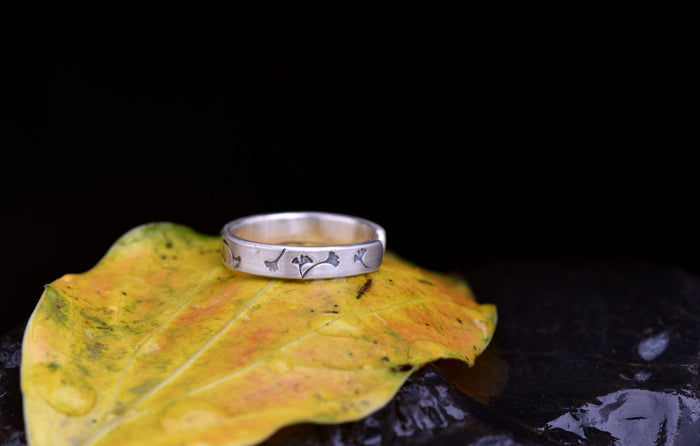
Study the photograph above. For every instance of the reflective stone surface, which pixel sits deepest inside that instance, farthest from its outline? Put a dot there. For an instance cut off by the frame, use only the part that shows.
(11, 422)
(586, 351)
(598, 352)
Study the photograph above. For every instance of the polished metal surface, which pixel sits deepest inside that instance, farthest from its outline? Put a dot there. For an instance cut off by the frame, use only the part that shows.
(303, 245)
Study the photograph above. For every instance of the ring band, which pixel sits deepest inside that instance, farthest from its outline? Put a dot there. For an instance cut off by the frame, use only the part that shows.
(303, 245)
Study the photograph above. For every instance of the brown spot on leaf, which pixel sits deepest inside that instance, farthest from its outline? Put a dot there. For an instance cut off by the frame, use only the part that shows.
(95, 349)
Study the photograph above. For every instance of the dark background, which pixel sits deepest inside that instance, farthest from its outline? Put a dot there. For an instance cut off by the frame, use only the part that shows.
(471, 136)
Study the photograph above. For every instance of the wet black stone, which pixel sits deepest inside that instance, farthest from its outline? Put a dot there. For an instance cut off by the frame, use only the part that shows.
(586, 352)
(11, 421)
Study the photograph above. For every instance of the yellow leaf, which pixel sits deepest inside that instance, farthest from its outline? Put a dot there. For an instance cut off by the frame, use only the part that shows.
(161, 344)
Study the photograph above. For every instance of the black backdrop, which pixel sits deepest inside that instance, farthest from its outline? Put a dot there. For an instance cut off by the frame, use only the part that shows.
(471, 137)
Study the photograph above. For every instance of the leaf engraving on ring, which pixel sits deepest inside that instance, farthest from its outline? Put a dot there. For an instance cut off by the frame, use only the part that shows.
(302, 260)
(235, 260)
(360, 257)
(272, 265)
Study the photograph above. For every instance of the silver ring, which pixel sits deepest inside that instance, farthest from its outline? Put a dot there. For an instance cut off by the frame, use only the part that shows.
(303, 245)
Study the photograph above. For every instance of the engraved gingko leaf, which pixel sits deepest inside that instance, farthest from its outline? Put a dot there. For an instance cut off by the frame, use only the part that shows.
(360, 257)
(302, 260)
(160, 343)
(333, 259)
(273, 265)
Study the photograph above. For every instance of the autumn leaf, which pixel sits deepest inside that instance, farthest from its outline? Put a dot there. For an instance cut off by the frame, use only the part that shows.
(161, 344)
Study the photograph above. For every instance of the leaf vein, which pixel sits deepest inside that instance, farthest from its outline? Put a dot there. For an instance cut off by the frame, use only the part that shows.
(136, 414)
(214, 337)
(293, 341)
(106, 427)
(137, 348)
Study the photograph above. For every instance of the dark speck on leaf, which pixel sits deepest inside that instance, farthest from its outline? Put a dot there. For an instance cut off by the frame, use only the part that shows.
(169, 244)
(385, 358)
(95, 349)
(459, 320)
(425, 281)
(364, 288)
